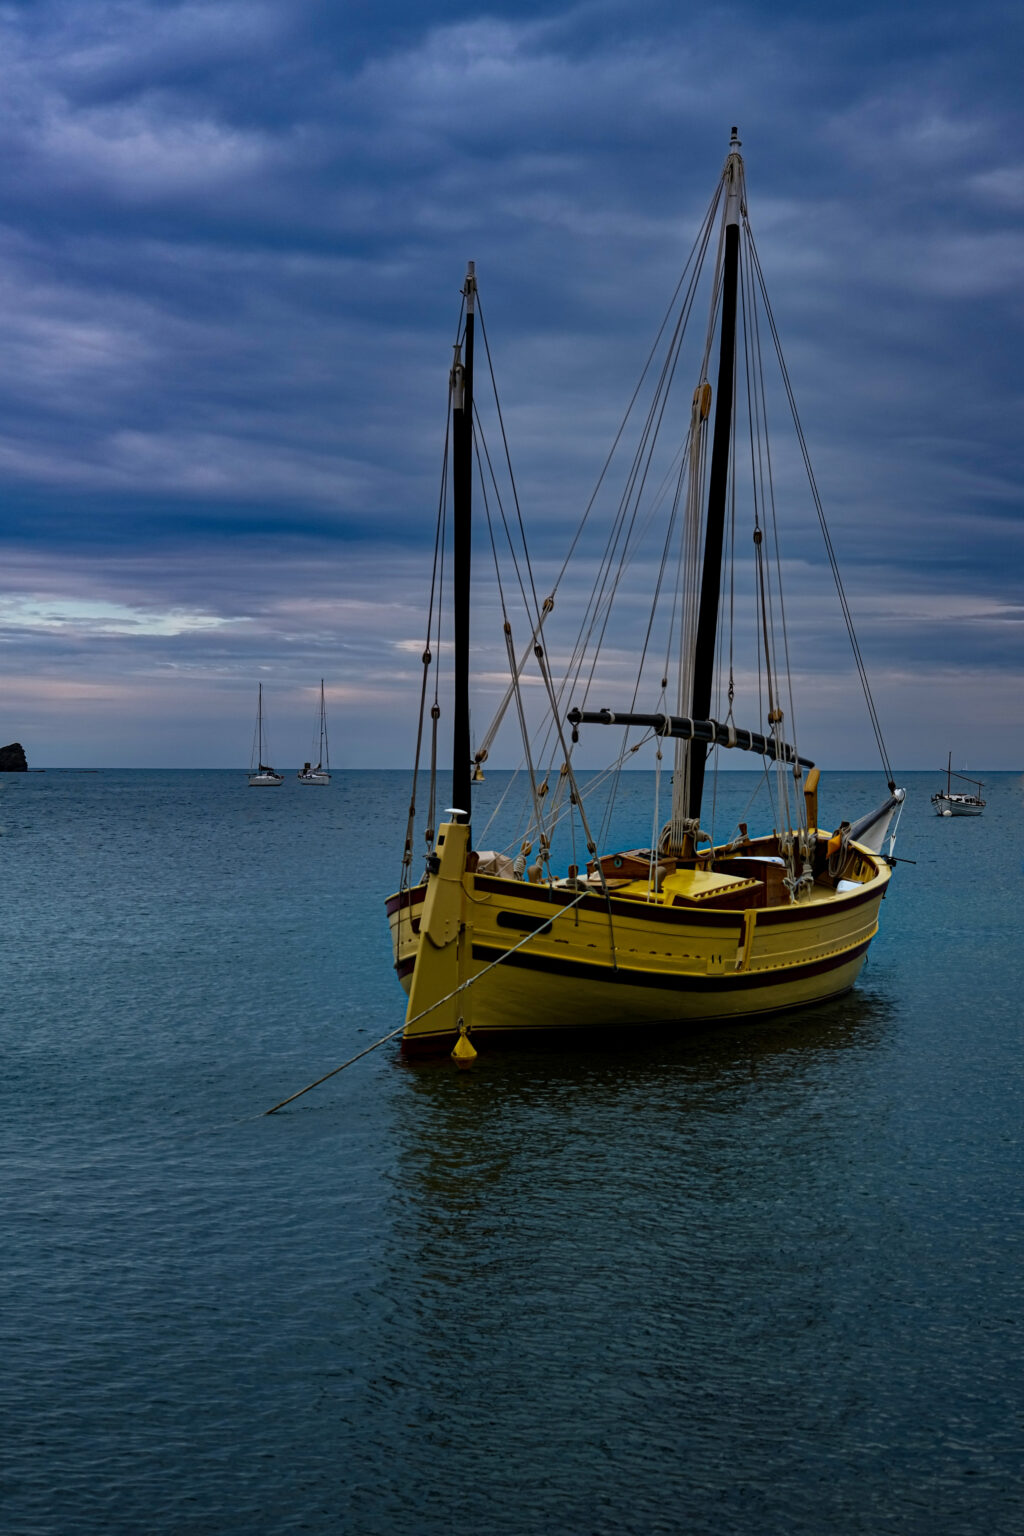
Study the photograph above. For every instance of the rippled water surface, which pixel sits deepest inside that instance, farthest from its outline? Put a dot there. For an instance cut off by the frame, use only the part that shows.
(760, 1280)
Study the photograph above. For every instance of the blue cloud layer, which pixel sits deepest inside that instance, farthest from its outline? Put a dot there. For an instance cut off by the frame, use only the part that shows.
(231, 241)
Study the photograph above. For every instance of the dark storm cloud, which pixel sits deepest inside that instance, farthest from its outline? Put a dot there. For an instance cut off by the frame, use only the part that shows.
(231, 241)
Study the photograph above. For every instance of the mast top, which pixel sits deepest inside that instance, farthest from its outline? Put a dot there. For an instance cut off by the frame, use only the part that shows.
(469, 291)
(733, 177)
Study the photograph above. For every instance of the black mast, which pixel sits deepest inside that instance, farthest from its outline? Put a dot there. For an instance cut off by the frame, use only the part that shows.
(714, 534)
(462, 524)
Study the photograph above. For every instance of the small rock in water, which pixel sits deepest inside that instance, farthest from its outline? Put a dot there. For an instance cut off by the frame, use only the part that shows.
(12, 758)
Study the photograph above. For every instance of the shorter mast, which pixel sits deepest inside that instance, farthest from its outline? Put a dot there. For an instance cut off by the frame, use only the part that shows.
(462, 527)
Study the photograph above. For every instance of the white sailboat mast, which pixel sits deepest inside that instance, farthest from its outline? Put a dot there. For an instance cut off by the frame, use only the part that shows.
(324, 759)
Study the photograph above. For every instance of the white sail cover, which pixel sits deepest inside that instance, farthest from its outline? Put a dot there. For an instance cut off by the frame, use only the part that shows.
(871, 830)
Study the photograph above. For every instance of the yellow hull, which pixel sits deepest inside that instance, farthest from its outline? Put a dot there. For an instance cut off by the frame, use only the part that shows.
(601, 962)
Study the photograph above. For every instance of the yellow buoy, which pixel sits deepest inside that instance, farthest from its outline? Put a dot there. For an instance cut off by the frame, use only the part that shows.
(463, 1053)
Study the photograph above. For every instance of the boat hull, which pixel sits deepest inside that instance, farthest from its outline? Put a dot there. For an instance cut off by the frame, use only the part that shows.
(613, 964)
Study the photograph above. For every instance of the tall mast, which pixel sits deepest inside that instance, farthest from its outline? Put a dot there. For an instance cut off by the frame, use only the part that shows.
(462, 500)
(259, 729)
(714, 532)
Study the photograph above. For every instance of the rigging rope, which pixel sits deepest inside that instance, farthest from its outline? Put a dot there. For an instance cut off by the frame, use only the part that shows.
(847, 615)
(508, 462)
(433, 1006)
(436, 584)
(547, 755)
(516, 689)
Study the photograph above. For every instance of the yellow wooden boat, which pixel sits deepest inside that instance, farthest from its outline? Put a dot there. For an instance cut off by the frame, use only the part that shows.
(490, 949)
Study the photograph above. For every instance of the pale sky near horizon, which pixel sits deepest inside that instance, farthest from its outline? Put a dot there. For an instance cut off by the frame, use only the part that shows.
(232, 236)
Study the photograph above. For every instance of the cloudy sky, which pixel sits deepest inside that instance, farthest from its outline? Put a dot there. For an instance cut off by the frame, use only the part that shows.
(232, 237)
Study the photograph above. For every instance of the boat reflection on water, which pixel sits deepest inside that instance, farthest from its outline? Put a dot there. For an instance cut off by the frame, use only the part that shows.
(637, 1275)
(647, 1107)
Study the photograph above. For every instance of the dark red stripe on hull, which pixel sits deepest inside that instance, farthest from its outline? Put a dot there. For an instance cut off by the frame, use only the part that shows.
(705, 915)
(679, 916)
(738, 981)
(407, 898)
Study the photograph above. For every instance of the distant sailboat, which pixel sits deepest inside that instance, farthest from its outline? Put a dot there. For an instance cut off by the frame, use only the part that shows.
(260, 775)
(951, 802)
(321, 774)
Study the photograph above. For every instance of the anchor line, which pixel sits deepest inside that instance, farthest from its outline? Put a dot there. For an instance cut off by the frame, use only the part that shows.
(441, 1000)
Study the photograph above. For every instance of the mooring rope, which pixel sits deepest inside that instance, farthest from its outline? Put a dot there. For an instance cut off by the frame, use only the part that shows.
(440, 1001)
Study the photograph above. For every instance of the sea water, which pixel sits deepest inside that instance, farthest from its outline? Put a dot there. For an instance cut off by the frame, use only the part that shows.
(759, 1279)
